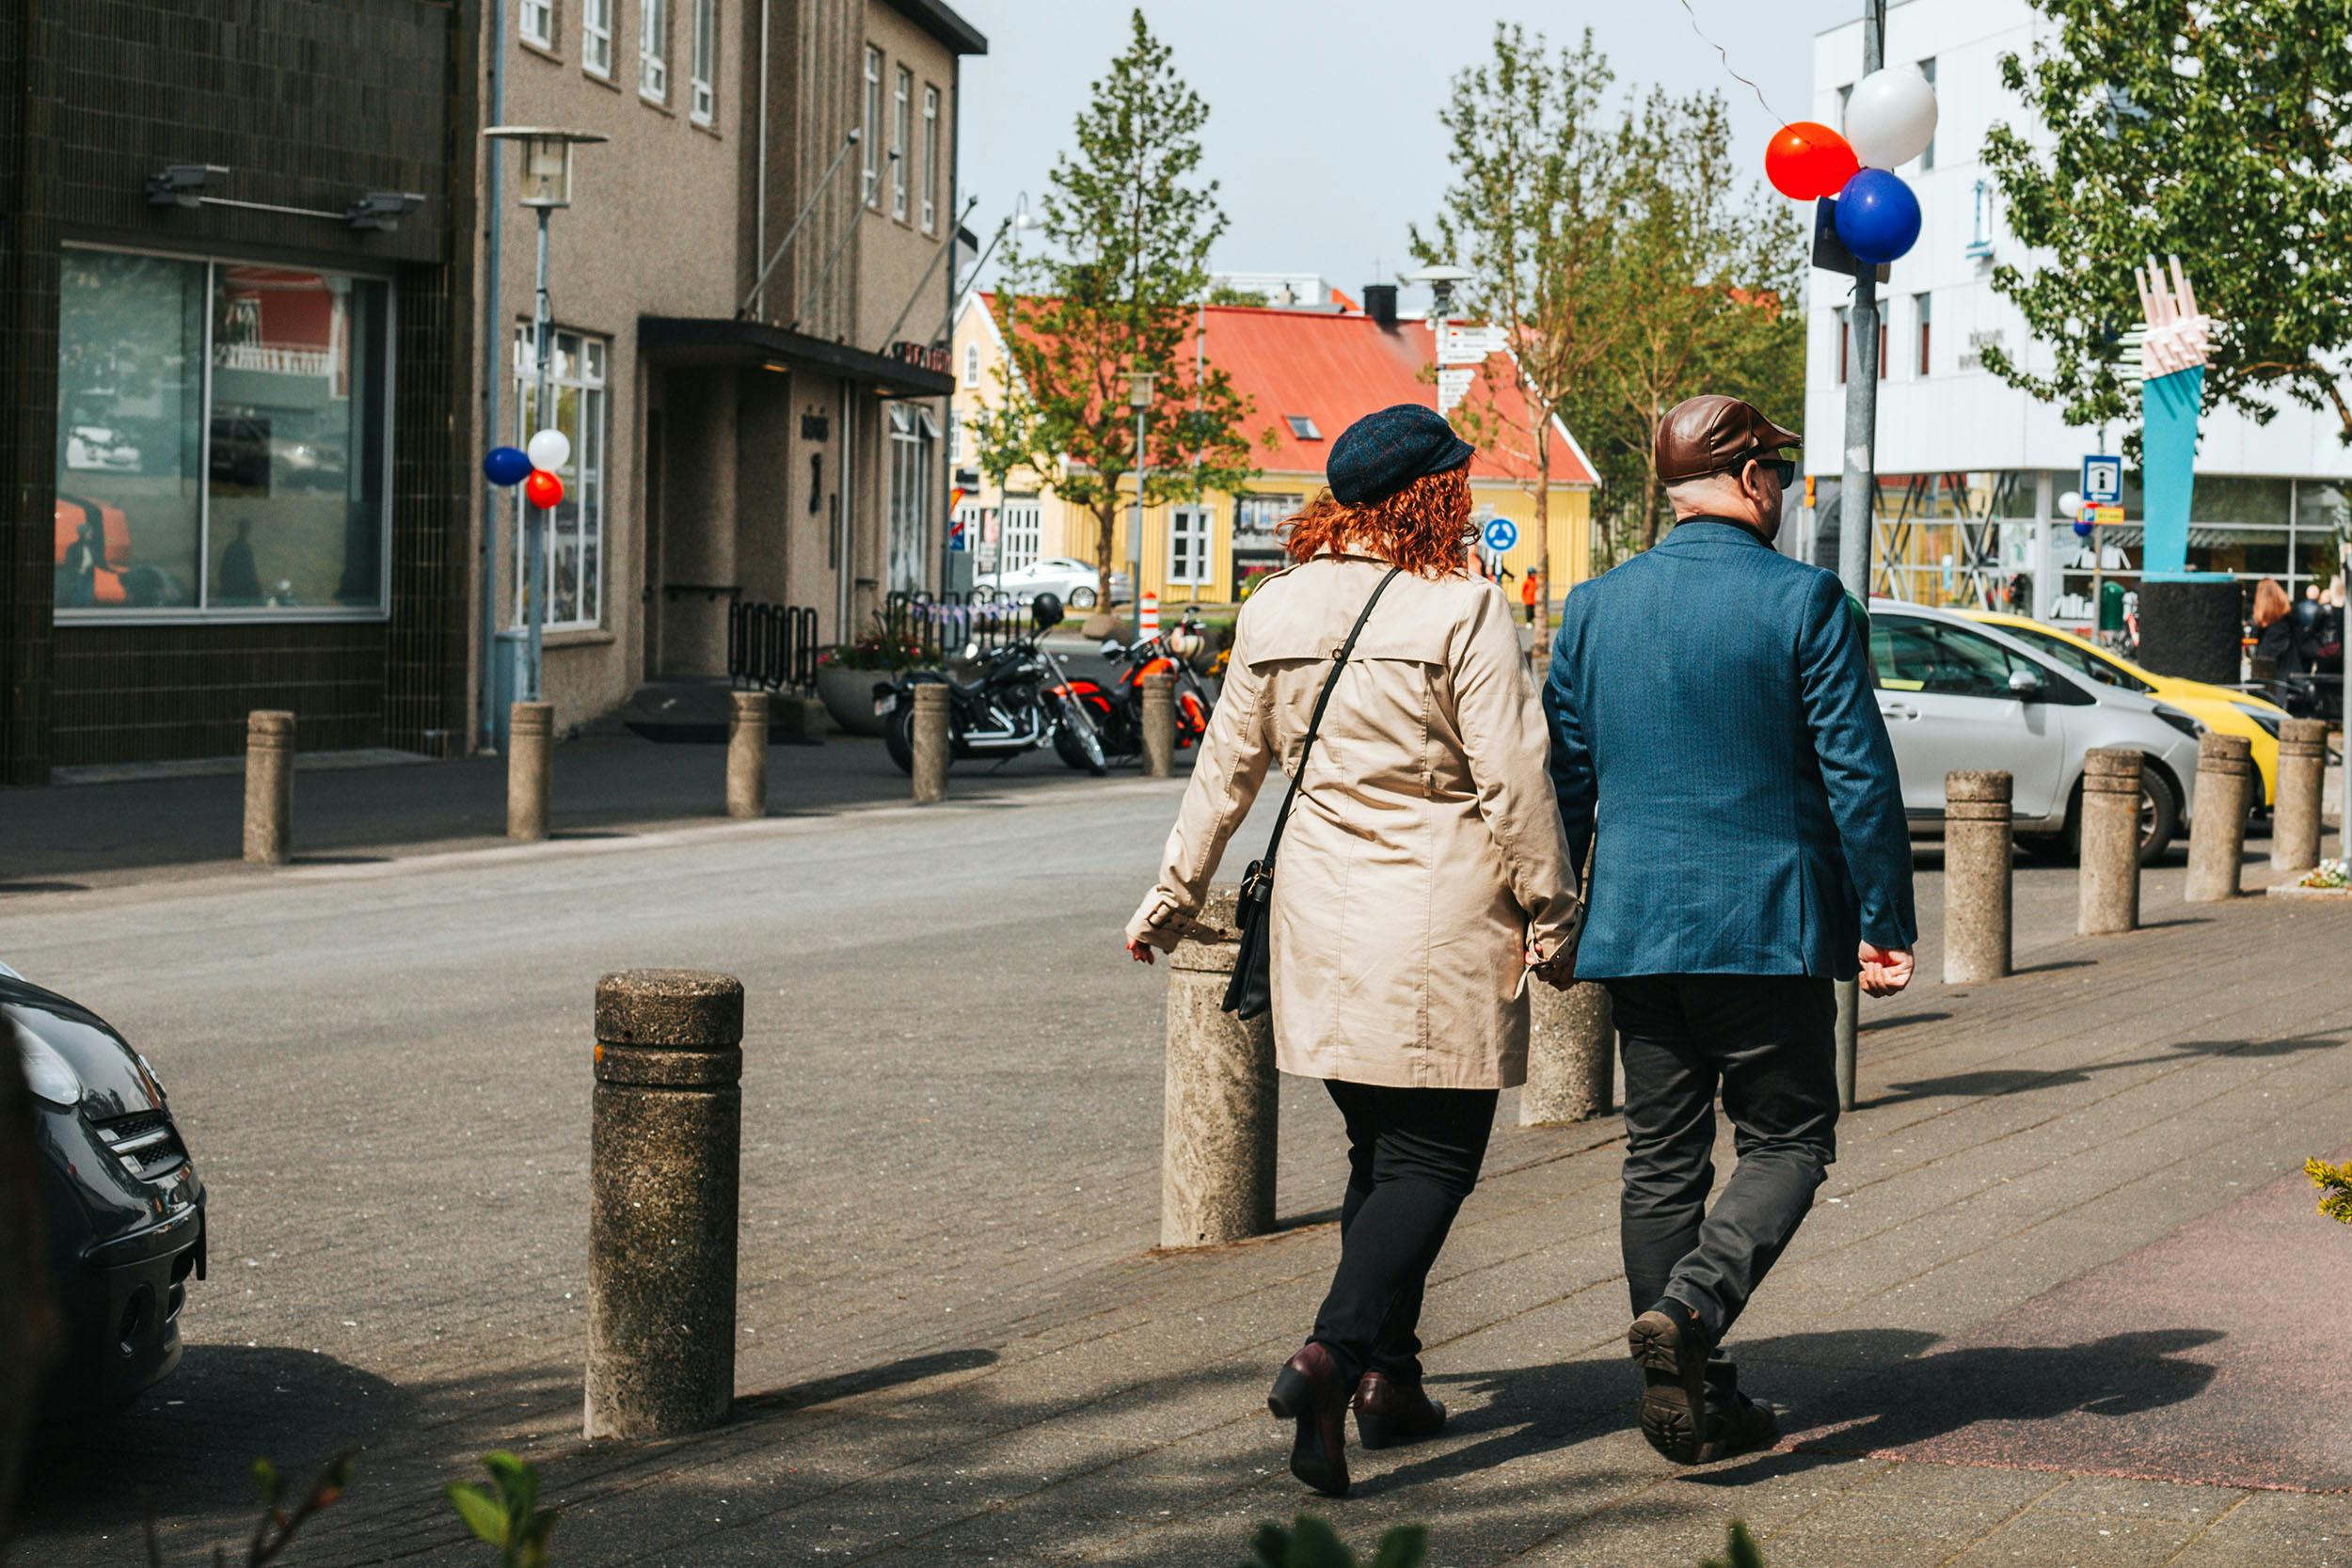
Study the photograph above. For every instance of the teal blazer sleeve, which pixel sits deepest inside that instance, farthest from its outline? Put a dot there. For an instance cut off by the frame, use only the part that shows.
(1858, 761)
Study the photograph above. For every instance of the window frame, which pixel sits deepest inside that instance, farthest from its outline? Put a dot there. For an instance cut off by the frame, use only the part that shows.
(901, 130)
(1923, 314)
(525, 385)
(701, 92)
(653, 51)
(201, 610)
(545, 37)
(1926, 157)
(1201, 534)
(971, 364)
(869, 159)
(930, 158)
(595, 38)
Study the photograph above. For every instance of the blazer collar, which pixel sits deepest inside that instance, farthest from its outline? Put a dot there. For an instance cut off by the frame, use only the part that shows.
(1714, 530)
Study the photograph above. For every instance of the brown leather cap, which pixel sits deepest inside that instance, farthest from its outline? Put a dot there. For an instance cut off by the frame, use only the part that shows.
(1707, 434)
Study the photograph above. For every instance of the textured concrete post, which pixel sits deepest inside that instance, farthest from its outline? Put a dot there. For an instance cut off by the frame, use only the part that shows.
(1975, 876)
(2109, 874)
(2294, 815)
(930, 743)
(529, 739)
(747, 756)
(1571, 1046)
(2217, 837)
(269, 754)
(1159, 725)
(664, 1151)
(1217, 1160)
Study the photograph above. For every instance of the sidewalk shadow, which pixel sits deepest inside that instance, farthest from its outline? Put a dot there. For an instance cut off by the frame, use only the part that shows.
(1987, 1082)
(890, 1375)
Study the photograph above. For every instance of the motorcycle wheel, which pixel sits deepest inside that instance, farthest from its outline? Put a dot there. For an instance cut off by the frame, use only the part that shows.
(1075, 740)
(898, 737)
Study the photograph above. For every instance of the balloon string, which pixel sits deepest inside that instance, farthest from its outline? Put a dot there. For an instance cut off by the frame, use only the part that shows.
(1726, 59)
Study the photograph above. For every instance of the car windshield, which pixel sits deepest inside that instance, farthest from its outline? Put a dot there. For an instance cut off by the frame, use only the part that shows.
(2079, 659)
(1927, 656)
(6, 973)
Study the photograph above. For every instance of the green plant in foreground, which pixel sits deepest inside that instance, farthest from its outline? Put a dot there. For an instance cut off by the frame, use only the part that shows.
(2335, 1188)
(1740, 1551)
(278, 1522)
(1311, 1543)
(508, 1518)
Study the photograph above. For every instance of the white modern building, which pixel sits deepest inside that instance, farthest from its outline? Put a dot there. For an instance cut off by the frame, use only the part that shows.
(1969, 467)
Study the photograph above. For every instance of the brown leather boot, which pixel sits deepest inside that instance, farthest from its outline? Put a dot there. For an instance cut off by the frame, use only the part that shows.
(1390, 1411)
(1311, 1391)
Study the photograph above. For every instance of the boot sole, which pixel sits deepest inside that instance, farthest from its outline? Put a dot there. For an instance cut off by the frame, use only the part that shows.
(1674, 1387)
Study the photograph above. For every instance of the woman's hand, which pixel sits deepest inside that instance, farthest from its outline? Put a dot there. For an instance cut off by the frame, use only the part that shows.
(1558, 972)
(1141, 951)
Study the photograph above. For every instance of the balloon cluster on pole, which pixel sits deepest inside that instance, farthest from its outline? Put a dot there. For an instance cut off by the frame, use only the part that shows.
(1890, 119)
(534, 466)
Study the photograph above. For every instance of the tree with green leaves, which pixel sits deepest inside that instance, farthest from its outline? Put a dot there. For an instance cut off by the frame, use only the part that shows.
(1530, 211)
(1127, 226)
(2215, 133)
(1701, 268)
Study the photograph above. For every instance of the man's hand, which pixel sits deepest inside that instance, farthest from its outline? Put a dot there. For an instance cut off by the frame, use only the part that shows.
(1141, 952)
(1884, 970)
(1559, 972)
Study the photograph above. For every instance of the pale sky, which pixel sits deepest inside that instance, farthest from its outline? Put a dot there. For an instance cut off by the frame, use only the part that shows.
(1323, 114)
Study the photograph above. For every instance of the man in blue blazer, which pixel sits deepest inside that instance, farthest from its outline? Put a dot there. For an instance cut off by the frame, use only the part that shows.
(1726, 781)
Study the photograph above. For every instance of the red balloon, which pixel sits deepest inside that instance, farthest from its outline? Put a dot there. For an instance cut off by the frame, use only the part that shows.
(543, 489)
(1808, 161)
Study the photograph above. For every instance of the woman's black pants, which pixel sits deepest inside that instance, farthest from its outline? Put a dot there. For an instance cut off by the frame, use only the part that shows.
(1412, 1157)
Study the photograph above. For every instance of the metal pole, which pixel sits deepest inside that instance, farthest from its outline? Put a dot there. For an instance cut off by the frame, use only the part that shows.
(535, 518)
(1854, 503)
(1134, 543)
(497, 364)
(925, 281)
(759, 284)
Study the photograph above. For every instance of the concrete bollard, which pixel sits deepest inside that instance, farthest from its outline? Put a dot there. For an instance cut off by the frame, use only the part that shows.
(1159, 725)
(2294, 815)
(747, 756)
(1975, 876)
(1571, 1050)
(530, 741)
(1217, 1154)
(2109, 873)
(931, 743)
(269, 754)
(2217, 836)
(664, 1156)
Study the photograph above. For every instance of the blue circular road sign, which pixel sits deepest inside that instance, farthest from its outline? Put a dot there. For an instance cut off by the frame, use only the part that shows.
(1501, 535)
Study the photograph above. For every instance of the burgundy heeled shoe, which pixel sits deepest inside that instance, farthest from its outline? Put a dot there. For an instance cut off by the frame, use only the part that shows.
(1390, 1411)
(1310, 1391)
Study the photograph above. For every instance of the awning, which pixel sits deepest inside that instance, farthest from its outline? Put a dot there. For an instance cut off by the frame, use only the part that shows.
(717, 340)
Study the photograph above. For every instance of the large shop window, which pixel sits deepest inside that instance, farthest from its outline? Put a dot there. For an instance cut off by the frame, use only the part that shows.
(575, 532)
(223, 439)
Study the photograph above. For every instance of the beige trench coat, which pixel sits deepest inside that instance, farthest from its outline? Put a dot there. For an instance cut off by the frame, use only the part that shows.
(1425, 853)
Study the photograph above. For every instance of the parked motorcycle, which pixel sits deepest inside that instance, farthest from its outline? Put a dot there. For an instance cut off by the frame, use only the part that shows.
(1018, 700)
(1117, 708)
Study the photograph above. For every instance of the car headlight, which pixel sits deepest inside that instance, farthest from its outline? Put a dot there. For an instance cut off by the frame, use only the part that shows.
(2263, 716)
(49, 1075)
(2180, 721)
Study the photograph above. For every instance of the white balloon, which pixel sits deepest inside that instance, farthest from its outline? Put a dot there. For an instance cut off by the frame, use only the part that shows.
(1891, 118)
(549, 449)
(2070, 504)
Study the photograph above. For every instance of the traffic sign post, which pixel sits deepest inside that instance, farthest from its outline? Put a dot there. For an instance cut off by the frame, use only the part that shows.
(1501, 535)
(2102, 480)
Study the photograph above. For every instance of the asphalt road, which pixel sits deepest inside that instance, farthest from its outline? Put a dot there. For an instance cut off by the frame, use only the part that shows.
(951, 1103)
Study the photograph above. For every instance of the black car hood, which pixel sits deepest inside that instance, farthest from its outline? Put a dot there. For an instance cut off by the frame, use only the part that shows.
(115, 1080)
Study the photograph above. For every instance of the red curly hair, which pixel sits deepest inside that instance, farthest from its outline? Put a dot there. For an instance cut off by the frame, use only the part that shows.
(1422, 528)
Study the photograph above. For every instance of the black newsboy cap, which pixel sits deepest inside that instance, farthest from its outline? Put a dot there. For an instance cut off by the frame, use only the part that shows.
(1381, 454)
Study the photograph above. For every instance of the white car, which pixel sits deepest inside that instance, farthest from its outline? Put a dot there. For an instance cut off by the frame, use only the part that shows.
(1075, 582)
(1958, 696)
(99, 447)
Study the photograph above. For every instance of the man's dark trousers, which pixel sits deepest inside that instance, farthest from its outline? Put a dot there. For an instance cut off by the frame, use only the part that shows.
(1769, 1042)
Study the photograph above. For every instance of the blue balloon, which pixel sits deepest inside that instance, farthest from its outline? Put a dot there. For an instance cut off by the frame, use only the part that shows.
(2082, 529)
(506, 465)
(1878, 218)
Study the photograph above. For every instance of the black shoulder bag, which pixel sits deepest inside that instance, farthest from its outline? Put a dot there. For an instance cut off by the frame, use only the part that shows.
(1250, 992)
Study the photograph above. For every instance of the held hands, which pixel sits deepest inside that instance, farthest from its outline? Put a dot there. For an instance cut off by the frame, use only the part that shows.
(1884, 970)
(1559, 971)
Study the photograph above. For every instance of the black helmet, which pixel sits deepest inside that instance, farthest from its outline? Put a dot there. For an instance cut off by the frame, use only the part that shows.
(1045, 612)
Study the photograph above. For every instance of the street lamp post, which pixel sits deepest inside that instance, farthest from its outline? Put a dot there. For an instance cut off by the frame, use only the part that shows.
(547, 184)
(1139, 399)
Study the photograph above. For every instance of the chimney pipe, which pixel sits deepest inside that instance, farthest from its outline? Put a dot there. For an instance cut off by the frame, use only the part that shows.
(1381, 304)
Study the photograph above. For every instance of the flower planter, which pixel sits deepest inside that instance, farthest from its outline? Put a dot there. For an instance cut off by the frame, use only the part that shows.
(849, 696)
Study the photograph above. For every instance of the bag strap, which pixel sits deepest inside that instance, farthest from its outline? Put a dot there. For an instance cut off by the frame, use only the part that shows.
(1315, 722)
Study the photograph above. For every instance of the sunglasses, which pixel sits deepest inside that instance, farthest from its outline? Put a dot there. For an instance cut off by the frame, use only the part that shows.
(1782, 468)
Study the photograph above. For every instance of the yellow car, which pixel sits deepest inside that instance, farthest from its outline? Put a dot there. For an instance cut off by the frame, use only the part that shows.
(2220, 709)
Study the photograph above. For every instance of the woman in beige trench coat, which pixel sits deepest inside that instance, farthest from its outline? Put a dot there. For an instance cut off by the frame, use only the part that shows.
(1423, 873)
